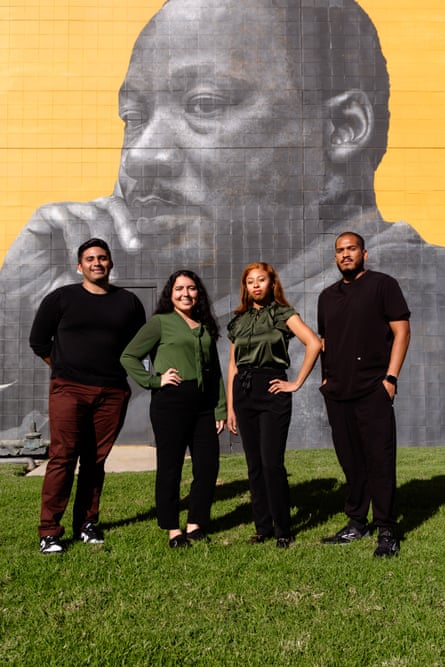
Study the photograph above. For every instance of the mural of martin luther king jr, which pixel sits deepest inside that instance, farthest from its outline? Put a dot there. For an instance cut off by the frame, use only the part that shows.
(252, 131)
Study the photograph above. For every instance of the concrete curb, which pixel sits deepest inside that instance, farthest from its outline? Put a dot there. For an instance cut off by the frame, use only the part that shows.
(122, 458)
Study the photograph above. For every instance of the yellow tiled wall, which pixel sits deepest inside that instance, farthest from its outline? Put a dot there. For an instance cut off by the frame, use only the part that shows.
(410, 183)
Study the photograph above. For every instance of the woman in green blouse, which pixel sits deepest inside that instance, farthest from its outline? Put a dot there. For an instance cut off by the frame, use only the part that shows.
(259, 398)
(188, 404)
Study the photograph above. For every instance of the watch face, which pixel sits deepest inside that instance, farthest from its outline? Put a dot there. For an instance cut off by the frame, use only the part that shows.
(391, 378)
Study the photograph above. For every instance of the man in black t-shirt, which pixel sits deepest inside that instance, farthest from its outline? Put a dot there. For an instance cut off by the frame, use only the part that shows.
(80, 331)
(364, 322)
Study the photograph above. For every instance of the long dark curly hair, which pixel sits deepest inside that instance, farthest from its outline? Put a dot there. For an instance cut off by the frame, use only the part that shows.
(202, 312)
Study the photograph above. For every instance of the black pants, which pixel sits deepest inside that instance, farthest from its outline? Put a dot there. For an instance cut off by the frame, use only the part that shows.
(263, 421)
(181, 418)
(364, 436)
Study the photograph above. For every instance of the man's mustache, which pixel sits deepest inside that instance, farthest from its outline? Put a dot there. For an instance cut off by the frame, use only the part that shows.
(154, 194)
(160, 195)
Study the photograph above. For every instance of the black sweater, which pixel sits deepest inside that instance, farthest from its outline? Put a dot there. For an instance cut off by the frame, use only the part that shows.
(84, 333)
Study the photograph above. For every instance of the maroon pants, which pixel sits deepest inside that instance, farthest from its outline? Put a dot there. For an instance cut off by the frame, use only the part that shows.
(84, 423)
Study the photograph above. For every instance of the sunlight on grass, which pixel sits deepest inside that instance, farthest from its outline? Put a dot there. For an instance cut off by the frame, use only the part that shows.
(136, 602)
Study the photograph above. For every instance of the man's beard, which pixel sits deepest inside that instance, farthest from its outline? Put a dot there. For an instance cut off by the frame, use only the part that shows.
(351, 274)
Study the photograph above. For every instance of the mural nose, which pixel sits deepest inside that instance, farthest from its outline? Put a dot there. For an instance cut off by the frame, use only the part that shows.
(151, 163)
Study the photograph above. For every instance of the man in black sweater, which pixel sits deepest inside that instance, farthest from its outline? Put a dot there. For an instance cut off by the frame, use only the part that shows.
(363, 320)
(80, 331)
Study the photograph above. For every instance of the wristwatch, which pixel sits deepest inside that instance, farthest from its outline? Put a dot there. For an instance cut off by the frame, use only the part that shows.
(392, 380)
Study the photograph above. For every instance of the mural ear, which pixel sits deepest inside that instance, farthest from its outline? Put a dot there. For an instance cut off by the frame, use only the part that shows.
(349, 124)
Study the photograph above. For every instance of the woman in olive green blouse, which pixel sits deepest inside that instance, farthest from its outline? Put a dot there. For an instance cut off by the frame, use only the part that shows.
(259, 399)
(188, 404)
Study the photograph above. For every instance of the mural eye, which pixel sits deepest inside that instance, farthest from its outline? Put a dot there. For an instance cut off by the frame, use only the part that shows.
(206, 105)
(133, 119)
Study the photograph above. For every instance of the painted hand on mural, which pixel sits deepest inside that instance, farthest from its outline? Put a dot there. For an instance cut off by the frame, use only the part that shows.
(44, 254)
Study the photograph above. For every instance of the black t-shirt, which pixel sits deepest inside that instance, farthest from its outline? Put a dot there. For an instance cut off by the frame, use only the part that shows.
(353, 319)
(85, 333)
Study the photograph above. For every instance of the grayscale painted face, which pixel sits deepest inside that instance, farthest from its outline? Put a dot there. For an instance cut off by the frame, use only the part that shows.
(214, 127)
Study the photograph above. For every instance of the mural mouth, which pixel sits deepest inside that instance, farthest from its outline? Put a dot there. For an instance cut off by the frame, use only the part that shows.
(164, 205)
(157, 194)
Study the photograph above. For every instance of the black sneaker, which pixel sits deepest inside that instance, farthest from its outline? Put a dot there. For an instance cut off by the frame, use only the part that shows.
(387, 544)
(346, 535)
(284, 542)
(50, 545)
(91, 535)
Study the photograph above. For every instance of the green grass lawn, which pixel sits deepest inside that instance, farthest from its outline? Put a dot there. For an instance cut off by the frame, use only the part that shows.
(134, 601)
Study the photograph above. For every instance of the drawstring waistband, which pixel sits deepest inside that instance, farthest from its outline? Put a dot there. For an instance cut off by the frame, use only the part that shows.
(245, 374)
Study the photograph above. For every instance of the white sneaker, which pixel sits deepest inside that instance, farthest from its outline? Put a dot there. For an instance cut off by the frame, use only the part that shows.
(50, 545)
(91, 535)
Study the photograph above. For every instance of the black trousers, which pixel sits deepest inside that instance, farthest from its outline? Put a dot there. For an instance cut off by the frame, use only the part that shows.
(182, 418)
(364, 435)
(263, 421)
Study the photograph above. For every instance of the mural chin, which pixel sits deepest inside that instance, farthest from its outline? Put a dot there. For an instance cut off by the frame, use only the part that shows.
(173, 224)
(175, 239)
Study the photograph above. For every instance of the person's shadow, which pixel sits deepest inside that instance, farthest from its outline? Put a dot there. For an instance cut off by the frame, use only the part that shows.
(140, 517)
(417, 501)
(319, 500)
(316, 502)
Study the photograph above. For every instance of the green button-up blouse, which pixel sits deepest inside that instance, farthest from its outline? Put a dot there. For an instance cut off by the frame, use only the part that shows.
(169, 342)
(261, 337)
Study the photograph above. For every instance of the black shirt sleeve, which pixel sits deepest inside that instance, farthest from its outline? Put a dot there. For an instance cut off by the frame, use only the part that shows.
(45, 325)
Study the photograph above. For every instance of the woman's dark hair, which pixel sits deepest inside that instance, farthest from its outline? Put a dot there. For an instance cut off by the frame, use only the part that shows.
(202, 312)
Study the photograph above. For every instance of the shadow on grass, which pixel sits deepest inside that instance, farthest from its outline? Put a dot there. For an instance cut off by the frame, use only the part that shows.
(242, 512)
(419, 500)
(140, 517)
(316, 502)
(319, 500)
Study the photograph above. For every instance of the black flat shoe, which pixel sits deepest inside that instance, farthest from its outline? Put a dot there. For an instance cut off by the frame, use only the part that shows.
(197, 535)
(178, 542)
